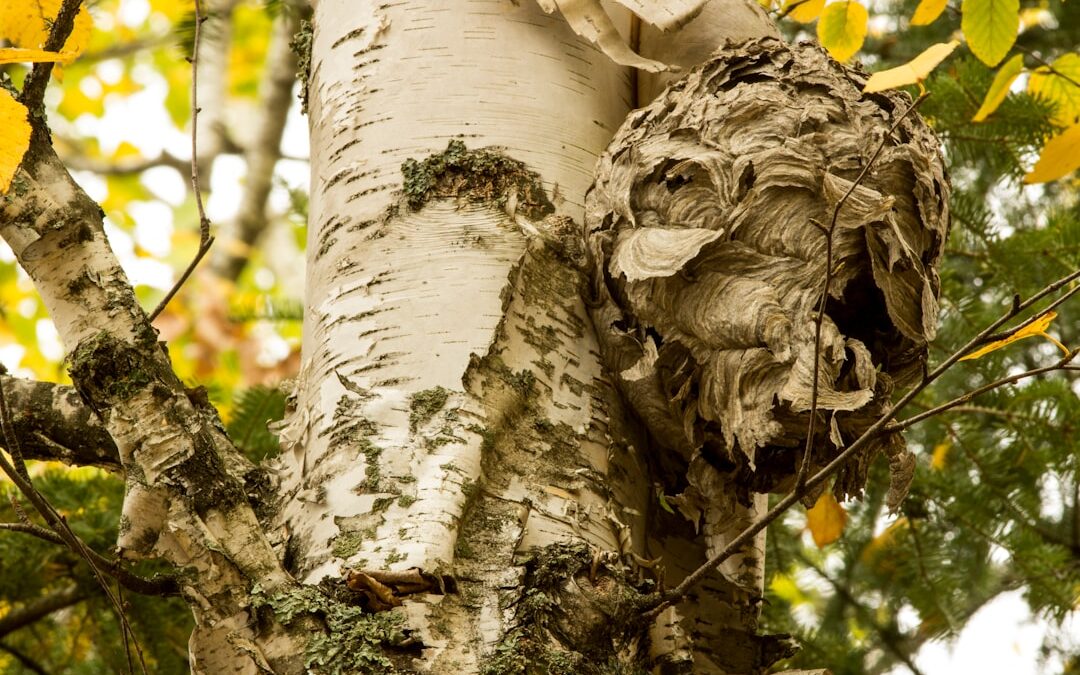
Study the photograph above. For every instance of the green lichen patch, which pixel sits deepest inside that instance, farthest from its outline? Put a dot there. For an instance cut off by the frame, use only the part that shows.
(355, 640)
(107, 371)
(372, 472)
(424, 404)
(347, 544)
(480, 175)
(301, 46)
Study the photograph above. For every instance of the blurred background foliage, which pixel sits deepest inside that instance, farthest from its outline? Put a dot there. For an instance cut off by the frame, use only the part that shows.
(994, 504)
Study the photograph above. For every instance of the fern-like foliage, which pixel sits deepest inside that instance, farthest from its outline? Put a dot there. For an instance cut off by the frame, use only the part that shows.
(253, 409)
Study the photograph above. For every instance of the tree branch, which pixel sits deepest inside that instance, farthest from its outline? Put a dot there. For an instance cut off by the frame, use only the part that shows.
(25, 660)
(39, 608)
(263, 150)
(890, 637)
(51, 422)
(158, 585)
(804, 467)
(34, 88)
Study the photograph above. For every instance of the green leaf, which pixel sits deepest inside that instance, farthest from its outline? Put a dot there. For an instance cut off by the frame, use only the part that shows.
(253, 408)
(990, 27)
(842, 29)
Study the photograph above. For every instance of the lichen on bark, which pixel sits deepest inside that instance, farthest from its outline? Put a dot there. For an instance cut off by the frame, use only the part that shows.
(481, 175)
(705, 228)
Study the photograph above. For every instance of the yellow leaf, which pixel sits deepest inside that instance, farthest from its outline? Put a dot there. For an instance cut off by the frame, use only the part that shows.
(999, 88)
(1059, 157)
(940, 456)
(20, 55)
(15, 138)
(1058, 85)
(826, 520)
(927, 12)
(126, 150)
(874, 552)
(804, 11)
(842, 29)
(990, 27)
(1036, 327)
(26, 23)
(1036, 17)
(785, 588)
(914, 71)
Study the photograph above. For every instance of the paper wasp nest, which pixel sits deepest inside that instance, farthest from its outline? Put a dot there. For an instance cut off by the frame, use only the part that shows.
(709, 266)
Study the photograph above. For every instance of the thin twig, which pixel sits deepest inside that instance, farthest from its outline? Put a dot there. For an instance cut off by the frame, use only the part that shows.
(1048, 66)
(968, 395)
(204, 248)
(158, 585)
(804, 467)
(204, 222)
(34, 88)
(127, 646)
(1012, 331)
(890, 637)
(789, 9)
(205, 240)
(663, 600)
(987, 478)
(26, 661)
(61, 528)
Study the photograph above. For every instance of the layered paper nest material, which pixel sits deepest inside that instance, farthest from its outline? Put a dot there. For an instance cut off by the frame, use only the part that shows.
(709, 266)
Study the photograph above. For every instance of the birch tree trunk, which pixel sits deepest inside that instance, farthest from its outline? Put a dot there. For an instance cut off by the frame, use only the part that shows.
(454, 443)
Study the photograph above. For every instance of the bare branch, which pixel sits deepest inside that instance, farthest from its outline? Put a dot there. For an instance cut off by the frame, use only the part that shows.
(157, 585)
(19, 476)
(51, 422)
(829, 270)
(39, 608)
(263, 150)
(990, 386)
(205, 240)
(25, 660)
(78, 161)
(34, 89)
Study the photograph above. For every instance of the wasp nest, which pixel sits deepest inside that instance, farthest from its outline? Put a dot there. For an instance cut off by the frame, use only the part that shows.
(705, 228)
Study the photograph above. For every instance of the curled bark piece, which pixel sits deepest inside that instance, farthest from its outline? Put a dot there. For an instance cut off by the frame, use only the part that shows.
(588, 19)
(706, 226)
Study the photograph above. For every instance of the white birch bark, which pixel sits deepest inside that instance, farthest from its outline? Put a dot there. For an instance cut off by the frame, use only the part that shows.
(471, 305)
